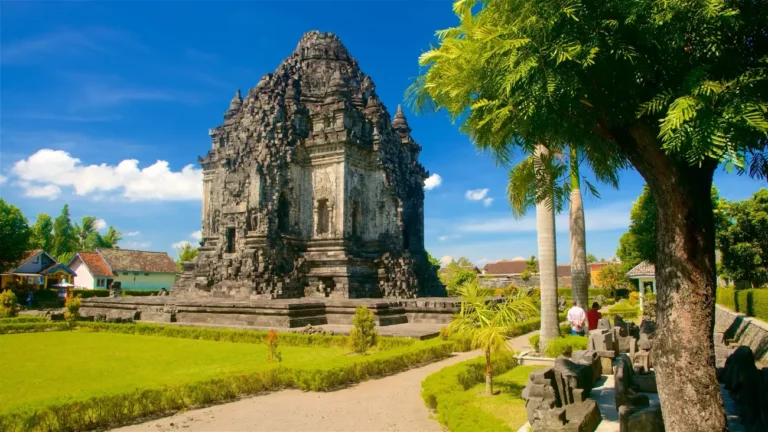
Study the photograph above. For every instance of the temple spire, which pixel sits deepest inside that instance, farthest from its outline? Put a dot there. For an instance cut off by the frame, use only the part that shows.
(234, 106)
(400, 124)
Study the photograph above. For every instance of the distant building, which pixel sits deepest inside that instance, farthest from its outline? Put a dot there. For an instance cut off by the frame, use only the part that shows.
(510, 270)
(135, 270)
(38, 268)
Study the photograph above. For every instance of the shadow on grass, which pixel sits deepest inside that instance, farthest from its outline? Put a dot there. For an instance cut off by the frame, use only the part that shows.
(509, 388)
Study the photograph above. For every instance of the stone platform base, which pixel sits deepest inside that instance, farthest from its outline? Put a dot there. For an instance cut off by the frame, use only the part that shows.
(270, 313)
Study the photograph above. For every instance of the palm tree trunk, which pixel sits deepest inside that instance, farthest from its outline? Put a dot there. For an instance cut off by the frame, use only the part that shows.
(579, 276)
(545, 233)
(488, 374)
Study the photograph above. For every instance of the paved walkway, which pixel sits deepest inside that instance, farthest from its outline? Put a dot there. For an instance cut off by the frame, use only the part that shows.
(392, 403)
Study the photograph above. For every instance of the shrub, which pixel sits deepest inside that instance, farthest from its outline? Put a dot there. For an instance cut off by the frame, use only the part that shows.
(88, 293)
(23, 319)
(751, 302)
(610, 301)
(140, 293)
(525, 275)
(727, 297)
(634, 298)
(73, 310)
(8, 304)
(32, 327)
(363, 335)
(104, 412)
(445, 391)
(565, 346)
(534, 341)
(272, 344)
(624, 308)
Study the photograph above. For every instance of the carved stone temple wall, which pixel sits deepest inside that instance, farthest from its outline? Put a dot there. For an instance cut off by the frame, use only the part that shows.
(312, 190)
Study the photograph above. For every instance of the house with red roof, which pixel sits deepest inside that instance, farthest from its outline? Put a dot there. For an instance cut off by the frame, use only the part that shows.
(135, 270)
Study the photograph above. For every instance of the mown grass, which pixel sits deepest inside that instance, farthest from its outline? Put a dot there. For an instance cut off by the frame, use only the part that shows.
(43, 368)
(507, 406)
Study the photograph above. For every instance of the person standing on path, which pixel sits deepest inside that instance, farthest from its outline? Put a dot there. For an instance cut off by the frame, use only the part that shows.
(576, 317)
(593, 316)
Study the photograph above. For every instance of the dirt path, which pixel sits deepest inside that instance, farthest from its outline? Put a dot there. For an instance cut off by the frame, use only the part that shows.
(389, 404)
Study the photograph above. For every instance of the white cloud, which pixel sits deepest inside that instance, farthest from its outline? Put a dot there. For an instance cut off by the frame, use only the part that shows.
(137, 245)
(476, 194)
(443, 238)
(482, 261)
(100, 224)
(603, 218)
(51, 169)
(448, 237)
(446, 260)
(487, 202)
(40, 191)
(433, 181)
(197, 235)
(179, 245)
(3, 179)
(132, 234)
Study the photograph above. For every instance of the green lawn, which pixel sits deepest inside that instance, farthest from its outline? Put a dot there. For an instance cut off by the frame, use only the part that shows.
(43, 368)
(508, 406)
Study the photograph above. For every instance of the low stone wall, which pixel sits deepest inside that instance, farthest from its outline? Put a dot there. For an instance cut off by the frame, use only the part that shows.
(270, 313)
(503, 281)
(744, 330)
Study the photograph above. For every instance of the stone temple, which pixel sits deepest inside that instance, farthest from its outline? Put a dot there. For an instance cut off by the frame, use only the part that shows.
(311, 192)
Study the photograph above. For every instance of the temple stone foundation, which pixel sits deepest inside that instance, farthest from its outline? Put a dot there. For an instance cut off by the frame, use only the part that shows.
(269, 313)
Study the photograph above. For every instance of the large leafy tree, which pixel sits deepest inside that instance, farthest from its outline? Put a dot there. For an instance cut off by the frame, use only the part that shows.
(744, 244)
(639, 242)
(64, 236)
(488, 323)
(41, 234)
(678, 87)
(455, 275)
(14, 232)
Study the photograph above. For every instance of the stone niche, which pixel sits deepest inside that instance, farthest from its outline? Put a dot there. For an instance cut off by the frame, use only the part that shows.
(311, 189)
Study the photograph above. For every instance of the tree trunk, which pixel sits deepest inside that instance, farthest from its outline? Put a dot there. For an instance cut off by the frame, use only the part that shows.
(545, 233)
(579, 271)
(488, 374)
(685, 277)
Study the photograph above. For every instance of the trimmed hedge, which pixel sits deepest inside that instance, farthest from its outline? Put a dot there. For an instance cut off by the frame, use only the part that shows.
(140, 293)
(565, 346)
(240, 336)
(32, 327)
(23, 319)
(88, 293)
(751, 302)
(103, 412)
(445, 391)
(624, 309)
(568, 292)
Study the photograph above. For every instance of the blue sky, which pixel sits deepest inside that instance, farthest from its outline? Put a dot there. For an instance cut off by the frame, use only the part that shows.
(106, 105)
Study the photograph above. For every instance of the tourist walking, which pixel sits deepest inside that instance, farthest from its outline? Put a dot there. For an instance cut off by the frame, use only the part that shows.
(593, 316)
(576, 317)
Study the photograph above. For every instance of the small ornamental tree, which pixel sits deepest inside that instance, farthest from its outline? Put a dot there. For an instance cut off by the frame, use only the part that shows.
(8, 304)
(272, 343)
(72, 312)
(363, 335)
(487, 323)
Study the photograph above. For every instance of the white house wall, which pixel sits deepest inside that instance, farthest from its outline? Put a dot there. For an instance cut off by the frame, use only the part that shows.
(84, 278)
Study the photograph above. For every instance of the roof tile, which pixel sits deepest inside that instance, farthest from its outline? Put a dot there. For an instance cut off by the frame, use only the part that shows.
(124, 260)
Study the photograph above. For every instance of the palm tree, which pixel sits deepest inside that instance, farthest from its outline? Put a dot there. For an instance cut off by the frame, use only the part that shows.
(86, 228)
(110, 239)
(488, 323)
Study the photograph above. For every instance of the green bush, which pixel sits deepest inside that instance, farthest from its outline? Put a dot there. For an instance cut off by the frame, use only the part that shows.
(8, 304)
(445, 391)
(623, 308)
(363, 334)
(23, 319)
(88, 293)
(240, 336)
(32, 327)
(103, 412)
(534, 341)
(140, 293)
(565, 346)
(751, 302)
(610, 301)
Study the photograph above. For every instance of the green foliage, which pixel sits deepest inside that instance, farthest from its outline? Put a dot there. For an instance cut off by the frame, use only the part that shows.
(32, 327)
(14, 233)
(64, 237)
(23, 319)
(185, 253)
(8, 304)
(41, 233)
(72, 313)
(88, 293)
(107, 411)
(532, 266)
(534, 341)
(450, 391)
(565, 346)
(744, 243)
(272, 343)
(432, 260)
(591, 258)
(612, 278)
(363, 334)
(751, 302)
(525, 275)
(453, 276)
(623, 308)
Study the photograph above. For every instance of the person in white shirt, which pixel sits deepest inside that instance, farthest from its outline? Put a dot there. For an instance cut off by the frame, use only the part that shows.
(577, 318)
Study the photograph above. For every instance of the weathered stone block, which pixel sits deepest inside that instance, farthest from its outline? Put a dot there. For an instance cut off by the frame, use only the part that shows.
(641, 419)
